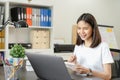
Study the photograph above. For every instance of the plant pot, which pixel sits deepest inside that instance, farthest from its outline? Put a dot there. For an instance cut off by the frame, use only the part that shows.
(16, 61)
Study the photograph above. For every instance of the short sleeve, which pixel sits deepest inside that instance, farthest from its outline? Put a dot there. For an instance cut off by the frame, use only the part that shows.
(106, 54)
(75, 50)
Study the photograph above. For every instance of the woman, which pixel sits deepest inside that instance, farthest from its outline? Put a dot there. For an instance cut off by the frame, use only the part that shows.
(91, 56)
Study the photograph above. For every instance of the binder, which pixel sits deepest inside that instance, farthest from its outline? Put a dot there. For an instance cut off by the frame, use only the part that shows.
(37, 17)
(49, 17)
(24, 13)
(34, 17)
(41, 17)
(2, 39)
(45, 15)
(16, 14)
(0, 43)
(29, 22)
(0, 16)
(29, 16)
(0, 34)
(2, 11)
(21, 13)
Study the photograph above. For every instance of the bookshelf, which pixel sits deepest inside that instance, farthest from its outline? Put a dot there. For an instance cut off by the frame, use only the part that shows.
(24, 35)
(2, 33)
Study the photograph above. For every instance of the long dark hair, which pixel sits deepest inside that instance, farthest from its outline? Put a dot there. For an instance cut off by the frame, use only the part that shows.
(96, 37)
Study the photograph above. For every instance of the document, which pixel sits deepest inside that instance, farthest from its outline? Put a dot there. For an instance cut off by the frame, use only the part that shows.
(74, 75)
(70, 65)
(29, 66)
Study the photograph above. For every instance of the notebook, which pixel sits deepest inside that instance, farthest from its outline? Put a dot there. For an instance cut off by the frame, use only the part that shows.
(48, 67)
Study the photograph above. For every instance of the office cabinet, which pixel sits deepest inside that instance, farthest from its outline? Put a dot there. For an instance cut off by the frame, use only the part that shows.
(40, 39)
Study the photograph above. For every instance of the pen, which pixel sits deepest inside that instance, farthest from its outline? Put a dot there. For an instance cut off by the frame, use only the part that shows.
(7, 62)
(2, 60)
(15, 69)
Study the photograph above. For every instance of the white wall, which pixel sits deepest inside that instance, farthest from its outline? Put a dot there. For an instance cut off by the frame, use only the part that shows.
(66, 13)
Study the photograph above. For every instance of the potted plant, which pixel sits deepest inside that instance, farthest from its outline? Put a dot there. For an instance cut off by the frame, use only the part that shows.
(17, 52)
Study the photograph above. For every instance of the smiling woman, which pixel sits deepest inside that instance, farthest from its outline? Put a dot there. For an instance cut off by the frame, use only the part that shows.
(91, 56)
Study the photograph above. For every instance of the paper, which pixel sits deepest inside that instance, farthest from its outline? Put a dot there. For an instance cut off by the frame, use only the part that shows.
(70, 65)
(29, 68)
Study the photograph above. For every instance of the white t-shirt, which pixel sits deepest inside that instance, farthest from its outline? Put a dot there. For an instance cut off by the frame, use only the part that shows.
(93, 58)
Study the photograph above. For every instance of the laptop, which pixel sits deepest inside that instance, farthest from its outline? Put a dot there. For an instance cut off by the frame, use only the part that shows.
(48, 67)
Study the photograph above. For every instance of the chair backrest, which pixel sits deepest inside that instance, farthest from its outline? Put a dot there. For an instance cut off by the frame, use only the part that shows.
(116, 64)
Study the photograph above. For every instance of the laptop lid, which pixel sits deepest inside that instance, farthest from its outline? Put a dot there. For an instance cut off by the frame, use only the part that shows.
(48, 67)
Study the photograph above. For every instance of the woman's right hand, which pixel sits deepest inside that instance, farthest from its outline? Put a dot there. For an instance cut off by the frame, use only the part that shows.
(72, 58)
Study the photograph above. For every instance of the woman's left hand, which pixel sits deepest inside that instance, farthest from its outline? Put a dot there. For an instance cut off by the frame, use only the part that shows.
(80, 69)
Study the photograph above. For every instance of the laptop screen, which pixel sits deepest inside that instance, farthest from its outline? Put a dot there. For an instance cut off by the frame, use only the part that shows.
(48, 67)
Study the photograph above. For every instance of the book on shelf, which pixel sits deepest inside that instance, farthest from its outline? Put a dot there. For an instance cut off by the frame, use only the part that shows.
(34, 17)
(1, 58)
(2, 11)
(2, 39)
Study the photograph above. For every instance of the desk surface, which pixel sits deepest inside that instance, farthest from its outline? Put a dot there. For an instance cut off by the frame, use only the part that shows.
(27, 75)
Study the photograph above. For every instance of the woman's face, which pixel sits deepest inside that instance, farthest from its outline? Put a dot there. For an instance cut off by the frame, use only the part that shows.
(84, 30)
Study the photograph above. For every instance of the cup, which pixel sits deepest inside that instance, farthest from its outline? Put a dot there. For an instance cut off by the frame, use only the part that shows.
(11, 72)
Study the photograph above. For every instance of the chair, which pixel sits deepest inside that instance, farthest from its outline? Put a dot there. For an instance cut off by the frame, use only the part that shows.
(116, 65)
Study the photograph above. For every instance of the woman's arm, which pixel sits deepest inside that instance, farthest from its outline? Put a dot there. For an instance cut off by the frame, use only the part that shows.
(106, 74)
(72, 58)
